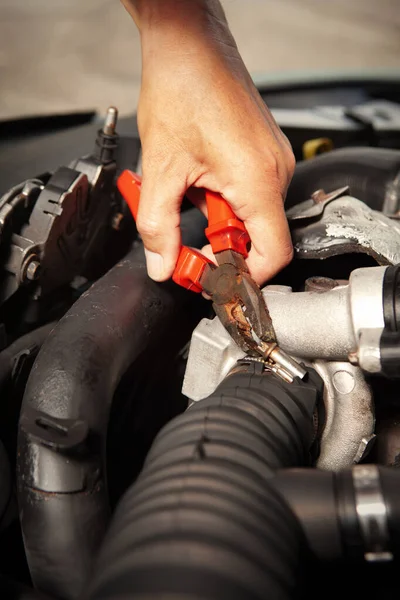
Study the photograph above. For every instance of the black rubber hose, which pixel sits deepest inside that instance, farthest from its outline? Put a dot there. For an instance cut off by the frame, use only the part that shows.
(5, 483)
(390, 484)
(204, 519)
(369, 172)
(62, 488)
(325, 506)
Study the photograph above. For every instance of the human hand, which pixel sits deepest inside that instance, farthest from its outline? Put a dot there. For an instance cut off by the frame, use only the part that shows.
(203, 124)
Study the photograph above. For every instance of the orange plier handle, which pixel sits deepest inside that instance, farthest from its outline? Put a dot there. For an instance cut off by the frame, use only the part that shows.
(224, 232)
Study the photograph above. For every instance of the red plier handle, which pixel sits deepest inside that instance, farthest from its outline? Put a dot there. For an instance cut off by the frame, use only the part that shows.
(224, 232)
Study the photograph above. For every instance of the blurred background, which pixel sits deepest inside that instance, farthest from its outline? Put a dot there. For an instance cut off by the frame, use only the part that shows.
(63, 55)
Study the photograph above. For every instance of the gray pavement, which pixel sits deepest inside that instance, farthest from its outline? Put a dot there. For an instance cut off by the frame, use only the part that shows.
(61, 55)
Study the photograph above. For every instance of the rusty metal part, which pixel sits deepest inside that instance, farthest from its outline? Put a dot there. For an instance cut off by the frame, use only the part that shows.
(239, 303)
(240, 306)
(346, 225)
(232, 258)
(320, 284)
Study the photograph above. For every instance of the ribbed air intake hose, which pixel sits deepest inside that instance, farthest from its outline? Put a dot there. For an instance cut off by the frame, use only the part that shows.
(204, 519)
(371, 174)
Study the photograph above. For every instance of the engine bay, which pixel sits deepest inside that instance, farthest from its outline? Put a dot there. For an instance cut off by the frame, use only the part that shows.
(143, 454)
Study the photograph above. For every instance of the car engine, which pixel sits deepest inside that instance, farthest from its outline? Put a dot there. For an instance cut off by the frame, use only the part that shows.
(143, 454)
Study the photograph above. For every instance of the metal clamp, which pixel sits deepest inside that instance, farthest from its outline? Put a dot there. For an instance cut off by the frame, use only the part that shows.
(372, 513)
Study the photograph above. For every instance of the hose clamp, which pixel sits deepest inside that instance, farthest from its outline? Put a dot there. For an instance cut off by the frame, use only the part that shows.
(372, 513)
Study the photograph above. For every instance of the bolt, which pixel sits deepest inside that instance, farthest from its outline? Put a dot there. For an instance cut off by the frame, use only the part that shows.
(32, 270)
(318, 196)
(110, 121)
(321, 197)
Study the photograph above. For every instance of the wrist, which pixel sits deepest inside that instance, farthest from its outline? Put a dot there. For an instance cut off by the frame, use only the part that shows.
(155, 14)
(179, 24)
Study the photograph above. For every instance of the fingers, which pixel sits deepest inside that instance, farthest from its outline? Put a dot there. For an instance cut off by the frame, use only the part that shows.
(271, 245)
(158, 223)
(261, 207)
(259, 202)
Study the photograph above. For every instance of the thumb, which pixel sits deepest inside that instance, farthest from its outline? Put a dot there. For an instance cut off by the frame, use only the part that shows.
(158, 222)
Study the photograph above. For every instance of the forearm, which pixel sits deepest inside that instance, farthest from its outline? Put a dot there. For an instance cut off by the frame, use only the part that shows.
(153, 13)
(174, 21)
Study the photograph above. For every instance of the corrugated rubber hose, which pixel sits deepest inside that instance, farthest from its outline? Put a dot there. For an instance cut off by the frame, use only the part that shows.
(204, 519)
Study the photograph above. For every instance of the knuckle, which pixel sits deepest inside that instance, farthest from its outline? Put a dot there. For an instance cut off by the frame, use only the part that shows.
(272, 165)
(290, 162)
(279, 167)
(275, 172)
(148, 227)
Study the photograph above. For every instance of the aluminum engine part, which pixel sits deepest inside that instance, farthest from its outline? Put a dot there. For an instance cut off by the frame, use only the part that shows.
(310, 324)
(349, 408)
(341, 226)
(349, 426)
(212, 354)
(346, 320)
(322, 328)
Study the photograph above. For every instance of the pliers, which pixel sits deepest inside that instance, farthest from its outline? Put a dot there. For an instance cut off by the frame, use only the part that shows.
(237, 299)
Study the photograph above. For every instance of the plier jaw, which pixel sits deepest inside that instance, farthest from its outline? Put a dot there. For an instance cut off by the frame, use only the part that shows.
(238, 302)
(237, 299)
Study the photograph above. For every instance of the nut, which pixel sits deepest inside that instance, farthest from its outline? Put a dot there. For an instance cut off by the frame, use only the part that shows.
(32, 270)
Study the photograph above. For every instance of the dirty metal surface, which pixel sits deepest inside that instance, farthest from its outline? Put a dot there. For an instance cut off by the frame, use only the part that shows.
(347, 225)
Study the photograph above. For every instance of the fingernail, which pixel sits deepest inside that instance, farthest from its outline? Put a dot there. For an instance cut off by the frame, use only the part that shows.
(155, 265)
